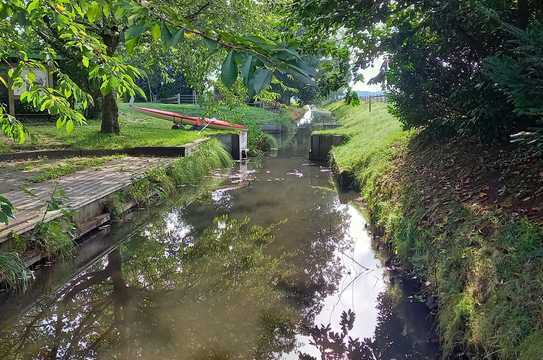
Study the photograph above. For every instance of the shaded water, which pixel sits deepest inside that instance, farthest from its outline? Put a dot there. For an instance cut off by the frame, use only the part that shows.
(249, 271)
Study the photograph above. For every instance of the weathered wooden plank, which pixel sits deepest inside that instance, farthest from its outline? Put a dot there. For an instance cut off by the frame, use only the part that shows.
(80, 189)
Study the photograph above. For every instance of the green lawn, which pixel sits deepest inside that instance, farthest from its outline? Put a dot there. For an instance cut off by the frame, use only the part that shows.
(138, 129)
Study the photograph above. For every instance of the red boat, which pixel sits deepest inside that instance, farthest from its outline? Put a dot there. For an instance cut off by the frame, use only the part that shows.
(179, 118)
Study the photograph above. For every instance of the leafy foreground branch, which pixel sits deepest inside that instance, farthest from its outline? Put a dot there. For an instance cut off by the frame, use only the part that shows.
(56, 238)
(469, 223)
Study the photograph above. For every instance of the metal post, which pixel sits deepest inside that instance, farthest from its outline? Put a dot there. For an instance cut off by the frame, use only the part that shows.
(369, 102)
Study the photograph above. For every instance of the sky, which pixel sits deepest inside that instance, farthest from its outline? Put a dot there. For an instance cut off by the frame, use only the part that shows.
(368, 74)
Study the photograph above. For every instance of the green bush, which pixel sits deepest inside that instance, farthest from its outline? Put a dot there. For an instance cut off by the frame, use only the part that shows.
(55, 237)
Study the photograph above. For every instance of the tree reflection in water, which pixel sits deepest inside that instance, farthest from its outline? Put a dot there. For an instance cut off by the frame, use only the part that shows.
(396, 336)
(166, 295)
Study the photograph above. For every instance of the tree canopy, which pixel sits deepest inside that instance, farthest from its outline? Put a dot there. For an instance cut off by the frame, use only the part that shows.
(460, 67)
(82, 40)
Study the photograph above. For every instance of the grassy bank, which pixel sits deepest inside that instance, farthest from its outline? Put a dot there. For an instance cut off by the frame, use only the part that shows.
(139, 129)
(136, 130)
(464, 216)
(55, 238)
(252, 117)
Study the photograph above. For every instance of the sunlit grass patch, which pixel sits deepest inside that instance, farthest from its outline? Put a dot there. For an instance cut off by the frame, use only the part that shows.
(136, 130)
(370, 135)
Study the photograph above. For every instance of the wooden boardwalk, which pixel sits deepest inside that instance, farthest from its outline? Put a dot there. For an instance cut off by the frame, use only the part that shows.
(80, 189)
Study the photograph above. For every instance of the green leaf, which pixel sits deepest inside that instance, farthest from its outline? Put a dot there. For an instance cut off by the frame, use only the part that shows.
(45, 105)
(260, 80)
(31, 76)
(212, 46)
(287, 54)
(21, 134)
(32, 5)
(155, 31)
(119, 13)
(70, 126)
(247, 69)
(165, 34)
(93, 12)
(6, 210)
(105, 88)
(170, 37)
(177, 37)
(140, 92)
(134, 31)
(131, 44)
(85, 61)
(106, 9)
(229, 70)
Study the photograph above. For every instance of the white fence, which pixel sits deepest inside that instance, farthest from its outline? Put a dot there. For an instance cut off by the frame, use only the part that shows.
(180, 99)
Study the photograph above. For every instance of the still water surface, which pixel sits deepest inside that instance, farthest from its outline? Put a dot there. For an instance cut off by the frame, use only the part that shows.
(256, 269)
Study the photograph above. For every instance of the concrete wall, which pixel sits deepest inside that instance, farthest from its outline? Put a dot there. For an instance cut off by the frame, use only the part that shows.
(235, 144)
(321, 145)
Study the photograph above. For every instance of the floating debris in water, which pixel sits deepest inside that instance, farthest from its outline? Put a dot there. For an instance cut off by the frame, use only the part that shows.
(296, 172)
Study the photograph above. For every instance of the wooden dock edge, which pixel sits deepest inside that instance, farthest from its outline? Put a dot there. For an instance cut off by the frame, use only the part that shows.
(92, 215)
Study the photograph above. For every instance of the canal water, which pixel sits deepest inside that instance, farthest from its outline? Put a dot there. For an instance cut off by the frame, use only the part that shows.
(272, 264)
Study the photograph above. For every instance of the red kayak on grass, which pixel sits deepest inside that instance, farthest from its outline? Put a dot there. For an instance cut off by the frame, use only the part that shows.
(191, 120)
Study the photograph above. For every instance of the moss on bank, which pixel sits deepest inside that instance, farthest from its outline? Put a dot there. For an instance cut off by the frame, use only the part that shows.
(463, 216)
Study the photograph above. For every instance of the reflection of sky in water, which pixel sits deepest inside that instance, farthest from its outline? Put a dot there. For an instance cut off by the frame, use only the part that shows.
(222, 199)
(358, 290)
(176, 226)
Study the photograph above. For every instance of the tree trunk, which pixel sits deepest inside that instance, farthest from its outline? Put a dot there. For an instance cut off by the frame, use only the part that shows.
(523, 13)
(11, 102)
(110, 111)
(110, 115)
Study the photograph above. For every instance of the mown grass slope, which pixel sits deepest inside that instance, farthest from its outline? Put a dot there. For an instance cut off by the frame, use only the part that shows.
(371, 139)
(462, 215)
